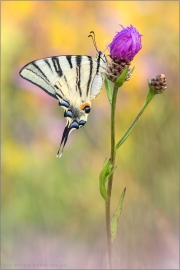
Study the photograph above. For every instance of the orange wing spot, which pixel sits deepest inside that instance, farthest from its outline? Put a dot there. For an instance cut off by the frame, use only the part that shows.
(84, 105)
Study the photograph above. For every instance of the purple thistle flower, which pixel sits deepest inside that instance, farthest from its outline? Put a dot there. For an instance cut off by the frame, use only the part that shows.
(125, 44)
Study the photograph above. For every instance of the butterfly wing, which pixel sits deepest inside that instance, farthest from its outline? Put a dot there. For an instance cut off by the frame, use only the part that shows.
(73, 80)
(67, 74)
(40, 73)
(75, 84)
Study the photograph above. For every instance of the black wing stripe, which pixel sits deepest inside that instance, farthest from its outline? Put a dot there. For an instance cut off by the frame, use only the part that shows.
(90, 74)
(98, 63)
(60, 70)
(68, 57)
(58, 88)
(66, 82)
(39, 85)
(78, 62)
(47, 62)
(57, 66)
(41, 72)
(57, 94)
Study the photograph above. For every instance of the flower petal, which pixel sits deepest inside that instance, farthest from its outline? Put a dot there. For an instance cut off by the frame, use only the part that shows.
(126, 43)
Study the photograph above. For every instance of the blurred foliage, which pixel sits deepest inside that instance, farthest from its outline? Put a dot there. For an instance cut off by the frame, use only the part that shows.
(52, 211)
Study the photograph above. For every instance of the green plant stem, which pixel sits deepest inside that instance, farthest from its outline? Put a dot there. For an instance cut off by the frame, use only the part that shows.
(133, 124)
(112, 99)
(109, 188)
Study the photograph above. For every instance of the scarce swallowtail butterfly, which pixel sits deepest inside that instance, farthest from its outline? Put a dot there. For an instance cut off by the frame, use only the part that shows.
(73, 80)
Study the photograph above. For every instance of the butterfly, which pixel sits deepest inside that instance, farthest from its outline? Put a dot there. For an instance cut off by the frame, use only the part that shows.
(74, 80)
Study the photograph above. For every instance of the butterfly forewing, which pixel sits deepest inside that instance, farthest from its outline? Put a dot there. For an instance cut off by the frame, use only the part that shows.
(68, 70)
(77, 81)
(34, 74)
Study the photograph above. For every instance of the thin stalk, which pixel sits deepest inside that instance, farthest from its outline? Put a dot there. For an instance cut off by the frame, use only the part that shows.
(134, 123)
(109, 188)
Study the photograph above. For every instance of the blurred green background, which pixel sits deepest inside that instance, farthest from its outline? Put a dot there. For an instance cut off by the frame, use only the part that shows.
(52, 213)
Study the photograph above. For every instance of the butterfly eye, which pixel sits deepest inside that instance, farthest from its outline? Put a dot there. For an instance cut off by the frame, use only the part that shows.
(68, 114)
(87, 109)
(82, 123)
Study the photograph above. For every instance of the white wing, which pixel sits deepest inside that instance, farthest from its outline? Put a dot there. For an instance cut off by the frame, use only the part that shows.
(63, 74)
(73, 80)
(97, 85)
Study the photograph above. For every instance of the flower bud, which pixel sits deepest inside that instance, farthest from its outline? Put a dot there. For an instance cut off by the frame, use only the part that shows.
(115, 68)
(159, 83)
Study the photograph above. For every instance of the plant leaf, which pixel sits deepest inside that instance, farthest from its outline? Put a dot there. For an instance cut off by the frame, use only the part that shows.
(110, 173)
(108, 89)
(102, 178)
(120, 80)
(131, 71)
(114, 220)
(105, 173)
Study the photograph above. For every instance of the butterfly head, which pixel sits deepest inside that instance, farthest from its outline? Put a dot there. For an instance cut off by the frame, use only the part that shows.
(101, 56)
(76, 118)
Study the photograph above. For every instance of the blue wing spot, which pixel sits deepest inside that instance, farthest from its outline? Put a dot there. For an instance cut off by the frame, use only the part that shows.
(64, 104)
(82, 123)
(68, 114)
(74, 125)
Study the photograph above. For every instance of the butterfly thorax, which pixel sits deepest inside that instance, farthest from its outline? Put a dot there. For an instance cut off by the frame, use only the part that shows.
(101, 62)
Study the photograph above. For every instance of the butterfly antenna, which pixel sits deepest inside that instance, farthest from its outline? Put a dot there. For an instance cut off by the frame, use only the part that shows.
(93, 38)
